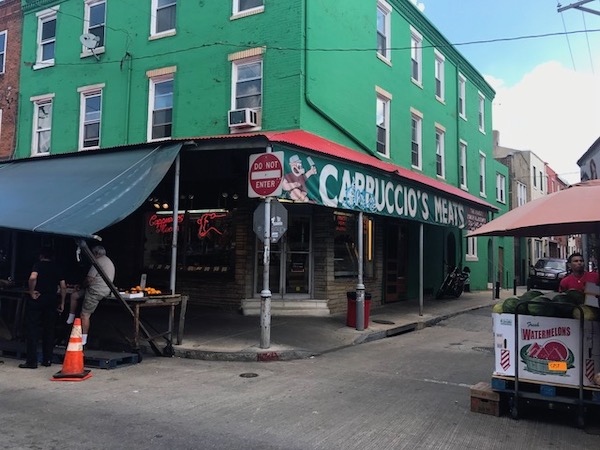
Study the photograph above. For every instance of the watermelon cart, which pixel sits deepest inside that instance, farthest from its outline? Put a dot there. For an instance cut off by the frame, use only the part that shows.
(547, 350)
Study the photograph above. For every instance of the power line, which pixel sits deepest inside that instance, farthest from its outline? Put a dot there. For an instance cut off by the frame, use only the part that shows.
(587, 38)
(568, 42)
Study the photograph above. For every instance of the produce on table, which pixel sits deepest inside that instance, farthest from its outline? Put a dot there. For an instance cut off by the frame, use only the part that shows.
(589, 313)
(542, 307)
(509, 305)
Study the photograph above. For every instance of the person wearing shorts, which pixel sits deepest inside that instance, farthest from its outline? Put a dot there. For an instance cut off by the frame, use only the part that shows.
(95, 289)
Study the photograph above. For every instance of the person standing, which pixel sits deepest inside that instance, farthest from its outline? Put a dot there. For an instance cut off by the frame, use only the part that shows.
(45, 280)
(579, 276)
(95, 289)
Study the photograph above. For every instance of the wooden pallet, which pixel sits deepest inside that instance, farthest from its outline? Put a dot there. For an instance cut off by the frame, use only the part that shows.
(91, 358)
(591, 395)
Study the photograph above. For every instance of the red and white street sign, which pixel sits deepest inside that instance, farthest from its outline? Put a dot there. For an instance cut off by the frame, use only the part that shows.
(265, 174)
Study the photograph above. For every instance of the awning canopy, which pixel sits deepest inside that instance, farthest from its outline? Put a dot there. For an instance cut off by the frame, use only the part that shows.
(83, 193)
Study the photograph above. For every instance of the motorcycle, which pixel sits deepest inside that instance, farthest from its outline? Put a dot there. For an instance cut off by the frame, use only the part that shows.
(454, 283)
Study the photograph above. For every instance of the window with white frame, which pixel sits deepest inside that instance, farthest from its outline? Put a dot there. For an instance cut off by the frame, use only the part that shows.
(247, 5)
(416, 55)
(163, 17)
(42, 124)
(90, 117)
(521, 193)
(439, 76)
(481, 113)
(416, 140)
(482, 174)
(46, 37)
(383, 125)
(440, 136)
(95, 22)
(462, 165)
(3, 36)
(160, 120)
(471, 249)
(462, 96)
(500, 188)
(247, 83)
(384, 18)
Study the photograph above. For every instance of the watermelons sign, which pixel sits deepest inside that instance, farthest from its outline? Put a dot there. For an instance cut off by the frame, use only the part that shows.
(344, 186)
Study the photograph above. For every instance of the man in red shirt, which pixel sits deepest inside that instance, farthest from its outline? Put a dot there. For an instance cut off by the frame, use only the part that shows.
(578, 276)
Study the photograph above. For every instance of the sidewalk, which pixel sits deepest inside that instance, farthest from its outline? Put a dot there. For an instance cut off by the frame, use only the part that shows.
(230, 336)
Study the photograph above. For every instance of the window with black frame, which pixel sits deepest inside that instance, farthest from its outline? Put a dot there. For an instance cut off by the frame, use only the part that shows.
(345, 255)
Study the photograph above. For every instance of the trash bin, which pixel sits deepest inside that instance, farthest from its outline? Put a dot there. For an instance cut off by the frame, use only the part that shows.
(351, 314)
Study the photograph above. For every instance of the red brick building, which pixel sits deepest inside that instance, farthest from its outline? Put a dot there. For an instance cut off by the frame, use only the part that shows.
(10, 60)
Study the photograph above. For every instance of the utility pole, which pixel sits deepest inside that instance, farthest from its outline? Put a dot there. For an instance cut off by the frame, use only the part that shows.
(579, 6)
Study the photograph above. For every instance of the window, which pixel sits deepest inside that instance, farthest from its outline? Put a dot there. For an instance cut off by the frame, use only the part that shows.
(415, 140)
(462, 96)
(2, 50)
(439, 76)
(247, 84)
(384, 17)
(462, 165)
(500, 188)
(91, 117)
(247, 5)
(534, 177)
(541, 181)
(521, 193)
(383, 125)
(163, 16)
(160, 120)
(345, 256)
(95, 21)
(1, 122)
(481, 113)
(482, 174)
(440, 169)
(471, 249)
(42, 124)
(46, 38)
(416, 53)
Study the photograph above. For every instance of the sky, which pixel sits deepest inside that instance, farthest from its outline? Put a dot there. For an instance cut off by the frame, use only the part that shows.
(547, 88)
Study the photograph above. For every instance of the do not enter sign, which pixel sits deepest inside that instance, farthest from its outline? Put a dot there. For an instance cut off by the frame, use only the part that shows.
(265, 174)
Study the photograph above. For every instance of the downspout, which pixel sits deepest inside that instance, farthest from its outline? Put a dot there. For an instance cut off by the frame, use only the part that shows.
(128, 93)
(314, 106)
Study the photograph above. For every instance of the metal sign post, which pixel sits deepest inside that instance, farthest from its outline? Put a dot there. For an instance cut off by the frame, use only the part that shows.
(265, 294)
(360, 287)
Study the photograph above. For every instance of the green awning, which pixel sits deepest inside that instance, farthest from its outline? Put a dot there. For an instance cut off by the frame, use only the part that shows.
(82, 193)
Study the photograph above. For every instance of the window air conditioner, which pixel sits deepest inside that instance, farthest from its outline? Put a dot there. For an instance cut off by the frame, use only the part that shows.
(243, 118)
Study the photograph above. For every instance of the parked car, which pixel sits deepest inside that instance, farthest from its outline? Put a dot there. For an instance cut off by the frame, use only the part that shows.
(547, 273)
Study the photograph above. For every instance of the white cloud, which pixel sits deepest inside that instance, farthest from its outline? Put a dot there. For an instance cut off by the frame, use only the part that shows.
(419, 5)
(553, 111)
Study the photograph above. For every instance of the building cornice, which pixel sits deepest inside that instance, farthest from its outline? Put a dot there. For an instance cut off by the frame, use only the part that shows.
(32, 5)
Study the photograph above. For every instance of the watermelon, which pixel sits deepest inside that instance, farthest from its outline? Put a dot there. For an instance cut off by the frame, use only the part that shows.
(576, 297)
(542, 307)
(589, 313)
(530, 295)
(556, 351)
(498, 308)
(509, 305)
(563, 305)
(533, 350)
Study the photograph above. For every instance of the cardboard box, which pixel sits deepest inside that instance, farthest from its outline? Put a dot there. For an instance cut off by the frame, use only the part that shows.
(485, 406)
(548, 351)
(131, 295)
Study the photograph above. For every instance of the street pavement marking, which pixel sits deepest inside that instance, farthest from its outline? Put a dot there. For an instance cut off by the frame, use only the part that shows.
(449, 383)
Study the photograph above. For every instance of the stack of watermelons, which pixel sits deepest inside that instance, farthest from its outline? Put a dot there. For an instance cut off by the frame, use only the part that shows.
(559, 305)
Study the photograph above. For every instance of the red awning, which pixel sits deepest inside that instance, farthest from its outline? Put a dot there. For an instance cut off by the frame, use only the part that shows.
(310, 141)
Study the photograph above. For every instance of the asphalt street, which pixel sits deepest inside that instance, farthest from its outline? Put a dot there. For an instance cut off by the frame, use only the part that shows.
(405, 392)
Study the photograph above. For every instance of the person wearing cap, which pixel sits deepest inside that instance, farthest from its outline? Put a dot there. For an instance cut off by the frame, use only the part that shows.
(94, 290)
(43, 307)
(295, 182)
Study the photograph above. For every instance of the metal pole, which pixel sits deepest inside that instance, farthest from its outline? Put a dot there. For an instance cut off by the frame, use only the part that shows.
(265, 294)
(175, 225)
(360, 287)
(421, 269)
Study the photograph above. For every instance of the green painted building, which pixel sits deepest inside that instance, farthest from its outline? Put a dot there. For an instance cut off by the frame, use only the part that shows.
(370, 106)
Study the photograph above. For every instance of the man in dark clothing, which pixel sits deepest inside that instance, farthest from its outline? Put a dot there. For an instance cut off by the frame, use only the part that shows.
(42, 307)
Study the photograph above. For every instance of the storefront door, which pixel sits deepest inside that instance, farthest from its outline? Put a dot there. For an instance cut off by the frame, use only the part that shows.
(290, 273)
(395, 268)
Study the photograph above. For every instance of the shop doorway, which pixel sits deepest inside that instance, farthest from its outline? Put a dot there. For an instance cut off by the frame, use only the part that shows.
(396, 258)
(450, 250)
(290, 269)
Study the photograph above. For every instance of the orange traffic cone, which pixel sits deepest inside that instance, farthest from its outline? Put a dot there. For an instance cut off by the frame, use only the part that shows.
(72, 369)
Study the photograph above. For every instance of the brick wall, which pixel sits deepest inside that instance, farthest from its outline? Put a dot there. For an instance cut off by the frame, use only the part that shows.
(10, 21)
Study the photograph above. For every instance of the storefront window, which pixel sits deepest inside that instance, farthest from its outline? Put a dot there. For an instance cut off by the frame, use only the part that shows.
(345, 259)
(205, 242)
